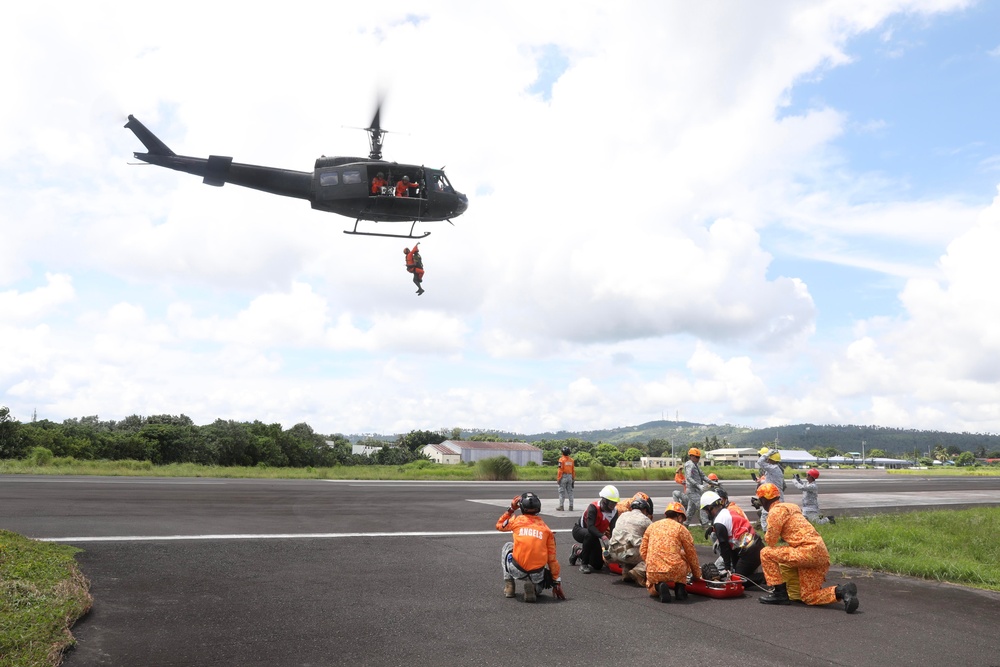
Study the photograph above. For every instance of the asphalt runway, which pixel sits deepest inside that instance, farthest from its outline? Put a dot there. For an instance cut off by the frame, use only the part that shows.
(303, 572)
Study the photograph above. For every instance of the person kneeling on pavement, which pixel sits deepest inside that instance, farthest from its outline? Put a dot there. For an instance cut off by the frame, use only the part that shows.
(739, 546)
(593, 531)
(806, 552)
(626, 538)
(531, 557)
(668, 550)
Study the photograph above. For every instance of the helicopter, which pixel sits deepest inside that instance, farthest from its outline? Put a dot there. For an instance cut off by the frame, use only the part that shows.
(341, 185)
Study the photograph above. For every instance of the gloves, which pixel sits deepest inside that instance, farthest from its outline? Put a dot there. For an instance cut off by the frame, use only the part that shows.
(755, 502)
(514, 504)
(557, 591)
(708, 533)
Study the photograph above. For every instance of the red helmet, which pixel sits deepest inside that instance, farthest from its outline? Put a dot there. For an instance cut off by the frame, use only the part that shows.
(813, 473)
(768, 491)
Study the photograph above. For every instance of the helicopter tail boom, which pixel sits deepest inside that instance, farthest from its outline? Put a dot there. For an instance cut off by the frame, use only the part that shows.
(152, 143)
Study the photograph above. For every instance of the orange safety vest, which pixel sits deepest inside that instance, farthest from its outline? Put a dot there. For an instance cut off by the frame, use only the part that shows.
(566, 467)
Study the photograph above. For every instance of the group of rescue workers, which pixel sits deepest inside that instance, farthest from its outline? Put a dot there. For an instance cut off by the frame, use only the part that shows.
(621, 535)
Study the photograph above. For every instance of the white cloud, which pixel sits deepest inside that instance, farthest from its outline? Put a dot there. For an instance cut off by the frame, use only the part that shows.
(617, 259)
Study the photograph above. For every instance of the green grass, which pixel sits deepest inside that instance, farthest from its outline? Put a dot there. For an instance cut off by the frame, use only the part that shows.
(958, 546)
(411, 471)
(42, 594)
(952, 471)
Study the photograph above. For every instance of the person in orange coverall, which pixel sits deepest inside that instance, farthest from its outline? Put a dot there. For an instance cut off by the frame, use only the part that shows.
(415, 265)
(531, 557)
(806, 552)
(668, 550)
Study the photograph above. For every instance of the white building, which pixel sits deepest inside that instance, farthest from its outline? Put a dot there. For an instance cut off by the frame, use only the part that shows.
(742, 457)
(659, 462)
(520, 453)
(366, 450)
(441, 454)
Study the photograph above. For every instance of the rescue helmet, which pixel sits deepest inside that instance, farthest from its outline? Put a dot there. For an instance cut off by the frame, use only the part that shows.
(768, 491)
(530, 503)
(712, 476)
(694, 451)
(644, 497)
(406, 179)
(610, 493)
(763, 450)
(710, 498)
(812, 473)
(380, 175)
(565, 451)
(722, 493)
(643, 505)
(406, 251)
(774, 456)
(673, 509)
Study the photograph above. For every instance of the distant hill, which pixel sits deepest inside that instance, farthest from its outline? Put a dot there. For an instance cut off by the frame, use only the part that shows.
(795, 436)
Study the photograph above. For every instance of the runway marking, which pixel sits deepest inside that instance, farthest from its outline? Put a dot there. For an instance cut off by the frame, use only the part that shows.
(273, 536)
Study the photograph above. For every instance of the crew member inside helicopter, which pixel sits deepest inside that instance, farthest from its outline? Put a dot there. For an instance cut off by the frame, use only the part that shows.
(404, 186)
(379, 184)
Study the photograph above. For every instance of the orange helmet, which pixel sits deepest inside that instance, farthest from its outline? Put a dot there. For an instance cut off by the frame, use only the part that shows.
(675, 508)
(694, 451)
(768, 491)
(712, 476)
(813, 473)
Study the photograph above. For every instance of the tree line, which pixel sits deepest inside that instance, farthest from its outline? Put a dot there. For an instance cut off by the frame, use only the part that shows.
(164, 439)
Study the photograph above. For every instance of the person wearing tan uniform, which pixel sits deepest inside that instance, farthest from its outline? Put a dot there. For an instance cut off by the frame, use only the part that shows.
(805, 551)
(668, 550)
(531, 557)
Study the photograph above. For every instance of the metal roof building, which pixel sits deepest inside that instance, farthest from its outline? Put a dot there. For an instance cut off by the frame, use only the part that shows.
(521, 453)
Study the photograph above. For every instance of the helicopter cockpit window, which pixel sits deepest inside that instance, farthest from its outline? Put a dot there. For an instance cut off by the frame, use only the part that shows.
(439, 183)
(352, 176)
(329, 178)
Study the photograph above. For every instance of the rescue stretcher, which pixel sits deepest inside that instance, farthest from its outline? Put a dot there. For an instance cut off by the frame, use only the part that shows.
(730, 588)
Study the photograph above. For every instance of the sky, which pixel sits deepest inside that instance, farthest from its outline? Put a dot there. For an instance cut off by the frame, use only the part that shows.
(725, 212)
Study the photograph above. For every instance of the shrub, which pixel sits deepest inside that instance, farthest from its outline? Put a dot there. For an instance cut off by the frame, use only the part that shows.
(498, 468)
(419, 464)
(132, 464)
(531, 464)
(40, 456)
(598, 472)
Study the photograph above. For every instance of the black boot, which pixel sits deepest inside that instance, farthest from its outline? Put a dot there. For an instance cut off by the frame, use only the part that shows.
(664, 590)
(849, 594)
(680, 591)
(574, 554)
(778, 596)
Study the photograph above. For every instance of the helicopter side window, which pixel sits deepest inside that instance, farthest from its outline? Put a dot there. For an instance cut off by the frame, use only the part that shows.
(352, 176)
(329, 178)
(439, 183)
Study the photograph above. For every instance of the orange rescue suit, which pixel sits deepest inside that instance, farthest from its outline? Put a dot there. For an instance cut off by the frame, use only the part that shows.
(534, 542)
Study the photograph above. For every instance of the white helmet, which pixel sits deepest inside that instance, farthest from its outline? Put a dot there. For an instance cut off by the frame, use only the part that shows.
(610, 493)
(709, 498)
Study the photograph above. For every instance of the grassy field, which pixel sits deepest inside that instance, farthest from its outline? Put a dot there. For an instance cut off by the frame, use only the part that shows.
(411, 471)
(958, 546)
(951, 471)
(42, 594)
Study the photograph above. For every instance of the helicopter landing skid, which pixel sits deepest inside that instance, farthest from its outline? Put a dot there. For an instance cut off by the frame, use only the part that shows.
(355, 232)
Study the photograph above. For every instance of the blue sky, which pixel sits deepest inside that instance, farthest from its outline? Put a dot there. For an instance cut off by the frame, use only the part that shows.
(742, 215)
